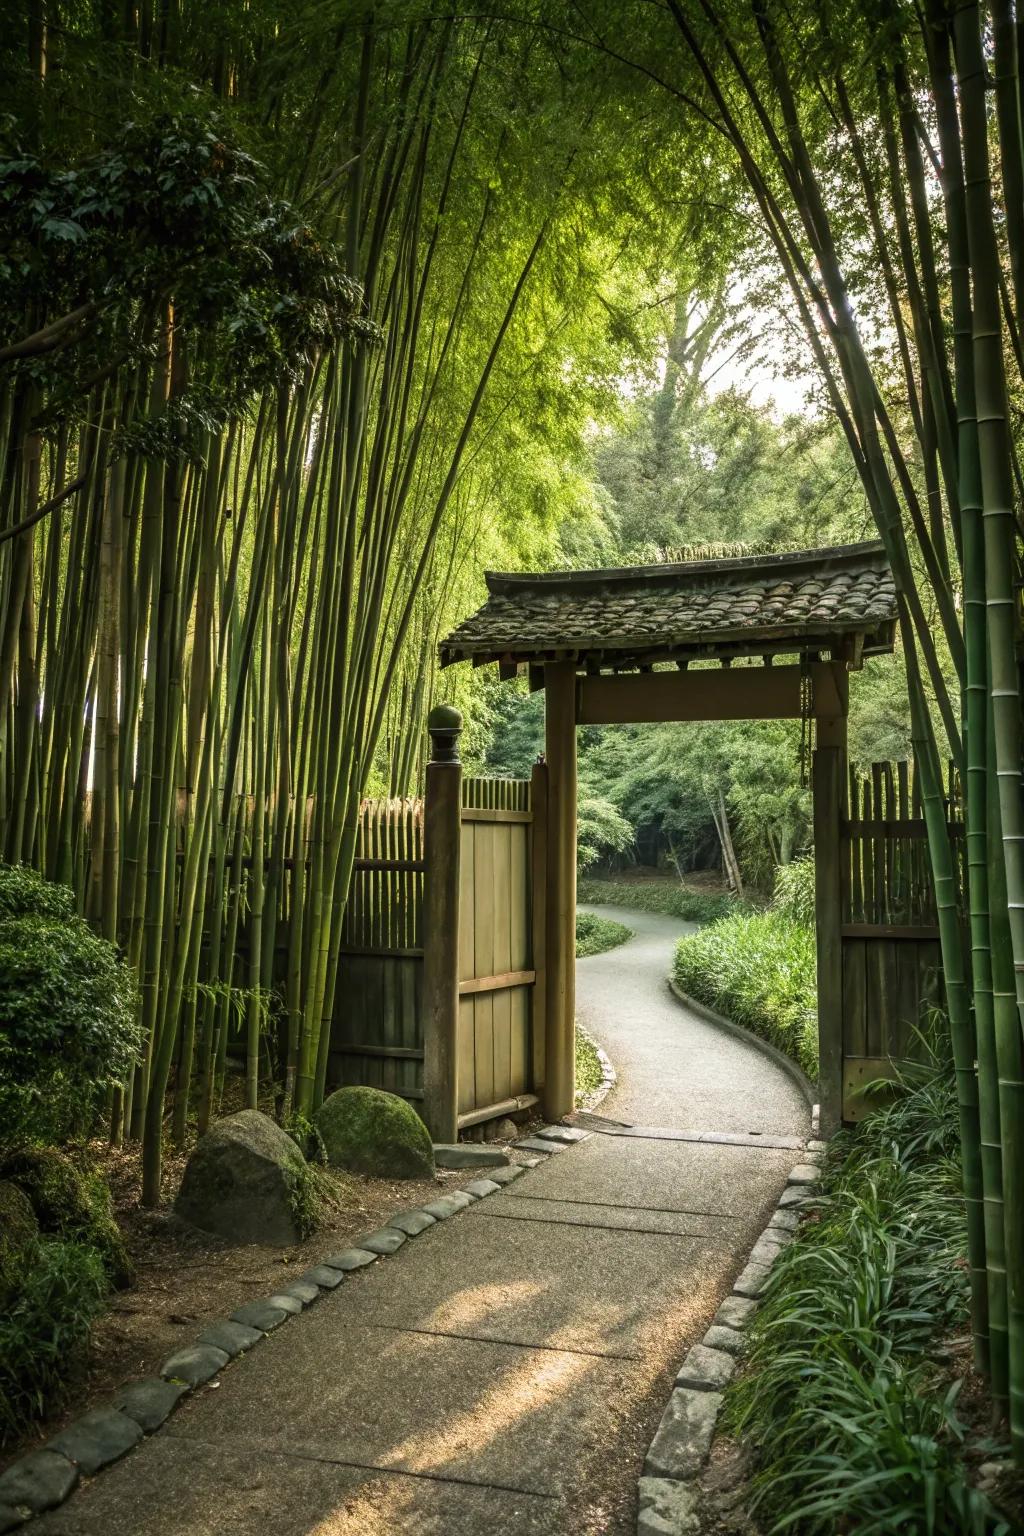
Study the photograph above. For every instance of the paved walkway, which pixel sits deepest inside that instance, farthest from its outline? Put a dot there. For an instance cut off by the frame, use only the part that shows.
(506, 1370)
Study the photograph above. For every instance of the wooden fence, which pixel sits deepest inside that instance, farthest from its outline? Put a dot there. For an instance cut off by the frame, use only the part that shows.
(891, 961)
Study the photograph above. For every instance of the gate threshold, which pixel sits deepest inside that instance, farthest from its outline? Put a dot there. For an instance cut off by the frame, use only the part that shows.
(604, 1127)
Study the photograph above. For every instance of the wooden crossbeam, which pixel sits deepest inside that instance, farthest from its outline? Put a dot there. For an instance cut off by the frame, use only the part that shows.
(719, 693)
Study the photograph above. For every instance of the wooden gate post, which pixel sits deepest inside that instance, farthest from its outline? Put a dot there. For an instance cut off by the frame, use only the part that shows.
(560, 958)
(442, 842)
(829, 778)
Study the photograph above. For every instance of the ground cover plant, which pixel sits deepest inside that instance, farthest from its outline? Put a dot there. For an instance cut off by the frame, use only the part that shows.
(658, 896)
(595, 934)
(853, 1398)
(589, 1072)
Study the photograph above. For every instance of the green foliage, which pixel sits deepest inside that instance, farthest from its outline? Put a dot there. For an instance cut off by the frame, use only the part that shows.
(757, 969)
(601, 831)
(596, 934)
(847, 1403)
(674, 900)
(70, 1202)
(589, 1072)
(794, 891)
(69, 1009)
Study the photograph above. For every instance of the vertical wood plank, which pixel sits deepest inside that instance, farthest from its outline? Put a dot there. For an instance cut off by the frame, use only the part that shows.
(560, 741)
(442, 885)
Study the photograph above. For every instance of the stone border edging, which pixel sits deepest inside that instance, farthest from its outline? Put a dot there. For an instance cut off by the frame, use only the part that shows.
(609, 1077)
(788, 1065)
(45, 1478)
(669, 1501)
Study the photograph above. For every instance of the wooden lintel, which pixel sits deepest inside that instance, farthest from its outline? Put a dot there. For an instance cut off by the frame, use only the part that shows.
(741, 693)
(492, 813)
(502, 983)
(388, 1052)
(831, 690)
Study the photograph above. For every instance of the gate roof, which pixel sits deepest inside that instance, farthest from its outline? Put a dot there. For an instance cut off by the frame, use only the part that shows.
(840, 600)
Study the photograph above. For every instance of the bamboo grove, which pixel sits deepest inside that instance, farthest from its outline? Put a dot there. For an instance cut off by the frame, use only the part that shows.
(254, 414)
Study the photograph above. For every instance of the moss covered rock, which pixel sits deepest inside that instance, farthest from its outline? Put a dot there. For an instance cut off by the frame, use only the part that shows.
(248, 1182)
(70, 1203)
(369, 1131)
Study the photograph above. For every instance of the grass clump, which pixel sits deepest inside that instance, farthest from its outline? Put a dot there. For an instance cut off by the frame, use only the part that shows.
(659, 896)
(849, 1402)
(759, 969)
(589, 1072)
(596, 934)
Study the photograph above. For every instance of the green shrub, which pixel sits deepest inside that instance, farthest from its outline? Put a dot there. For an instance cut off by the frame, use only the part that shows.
(596, 934)
(69, 1018)
(70, 1203)
(659, 896)
(589, 1073)
(53, 1294)
(794, 891)
(760, 971)
(852, 1419)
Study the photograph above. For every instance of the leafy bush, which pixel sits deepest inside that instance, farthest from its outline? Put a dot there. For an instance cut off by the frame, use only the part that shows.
(601, 830)
(69, 1020)
(589, 1073)
(71, 1203)
(794, 891)
(760, 971)
(596, 934)
(851, 1415)
(659, 896)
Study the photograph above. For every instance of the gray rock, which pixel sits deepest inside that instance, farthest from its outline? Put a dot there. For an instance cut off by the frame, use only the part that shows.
(538, 1144)
(780, 1237)
(240, 1181)
(39, 1481)
(412, 1223)
(794, 1194)
(719, 1337)
(448, 1205)
(507, 1175)
(504, 1129)
(324, 1276)
(706, 1370)
(306, 1291)
(805, 1173)
(233, 1338)
(150, 1401)
(784, 1221)
(351, 1258)
(764, 1253)
(470, 1154)
(194, 1365)
(10, 1518)
(666, 1508)
(286, 1302)
(736, 1311)
(481, 1187)
(753, 1280)
(817, 1146)
(97, 1439)
(564, 1133)
(261, 1315)
(387, 1240)
(684, 1435)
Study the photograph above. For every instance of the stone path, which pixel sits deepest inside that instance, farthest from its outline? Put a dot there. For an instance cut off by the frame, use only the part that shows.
(505, 1370)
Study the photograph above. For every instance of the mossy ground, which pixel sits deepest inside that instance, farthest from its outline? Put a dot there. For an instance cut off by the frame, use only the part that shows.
(596, 934)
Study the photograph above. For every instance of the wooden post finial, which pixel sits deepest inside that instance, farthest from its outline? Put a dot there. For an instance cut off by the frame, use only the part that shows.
(444, 724)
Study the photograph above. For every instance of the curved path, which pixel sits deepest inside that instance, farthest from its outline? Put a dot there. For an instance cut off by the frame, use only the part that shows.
(507, 1369)
(674, 1068)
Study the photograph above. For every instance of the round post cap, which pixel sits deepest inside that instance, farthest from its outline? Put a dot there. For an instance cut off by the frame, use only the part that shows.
(444, 724)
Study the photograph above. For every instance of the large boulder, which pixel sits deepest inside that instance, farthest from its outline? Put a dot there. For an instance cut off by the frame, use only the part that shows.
(246, 1181)
(366, 1130)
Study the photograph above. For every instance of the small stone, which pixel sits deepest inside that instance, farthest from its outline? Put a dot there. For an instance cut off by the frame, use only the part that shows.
(261, 1315)
(817, 1146)
(470, 1154)
(666, 1508)
(306, 1291)
(10, 1518)
(537, 1144)
(706, 1370)
(481, 1187)
(193, 1366)
(38, 1481)
(805, 1173)
(351, 1258)
(784, 1221)
(684, 1435)
(286, 1302)
(718, 1337)
(97, 1439)
(753, 1280)
(817, 1158)
(736, 1311)
(324, 1276)
(412, 1223)
(764, 1252)
(150, 1401)
(794, 1194)
(387, 1240)
(448, 1205)
(564, 1133)
(233, 1338)
(504, 1130)
(507, 1175)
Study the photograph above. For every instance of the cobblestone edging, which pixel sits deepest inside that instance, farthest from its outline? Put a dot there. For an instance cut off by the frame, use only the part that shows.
(609, 1077)
(45, 1478)
(669, 1503)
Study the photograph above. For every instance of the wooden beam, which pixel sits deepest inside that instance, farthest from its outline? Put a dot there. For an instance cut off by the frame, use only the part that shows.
(560, 1011)
(710, 693)
(442, 846)
(538, 844)
(829, 778)
(502, 983)
(490, 813)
